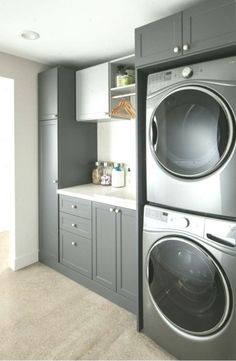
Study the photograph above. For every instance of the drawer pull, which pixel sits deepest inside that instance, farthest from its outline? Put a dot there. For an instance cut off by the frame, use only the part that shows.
(74, 244)
(74, 206)
(111, 210)
(74, 225)
(117, 211)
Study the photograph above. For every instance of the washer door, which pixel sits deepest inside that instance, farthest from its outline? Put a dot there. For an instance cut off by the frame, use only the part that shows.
(191, 132)
(187, 286)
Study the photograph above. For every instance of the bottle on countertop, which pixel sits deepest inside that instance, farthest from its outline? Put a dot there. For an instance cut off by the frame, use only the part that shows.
(118, 176)
(97, 173)
(106, 177)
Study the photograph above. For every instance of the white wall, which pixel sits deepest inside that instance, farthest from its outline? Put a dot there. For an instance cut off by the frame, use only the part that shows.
(116, 142)
(24, 241)
(6, 151)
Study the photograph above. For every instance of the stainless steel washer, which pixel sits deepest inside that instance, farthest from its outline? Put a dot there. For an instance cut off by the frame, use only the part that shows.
(189, 284)
(190, 138)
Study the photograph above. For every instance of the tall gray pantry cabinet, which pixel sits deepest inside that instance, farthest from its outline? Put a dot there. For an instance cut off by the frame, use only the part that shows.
(67, 150)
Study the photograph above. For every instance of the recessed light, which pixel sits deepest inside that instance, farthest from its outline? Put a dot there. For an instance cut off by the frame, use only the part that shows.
(30, 35)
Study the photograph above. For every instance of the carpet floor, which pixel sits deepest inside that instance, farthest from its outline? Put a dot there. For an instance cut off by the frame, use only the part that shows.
(46, 316)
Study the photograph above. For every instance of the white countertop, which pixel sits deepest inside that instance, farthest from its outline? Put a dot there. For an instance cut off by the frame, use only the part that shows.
(120, 197)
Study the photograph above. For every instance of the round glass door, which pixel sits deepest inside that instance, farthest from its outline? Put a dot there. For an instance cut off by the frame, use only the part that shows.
(191, 132)
(187, 286)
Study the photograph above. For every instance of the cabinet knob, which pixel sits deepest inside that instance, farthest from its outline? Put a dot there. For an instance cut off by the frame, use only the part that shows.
(55, 181)
(176, 49)
(186, 47)
(74, 225)
(117, 211)
(74, 244)
(111, 210)
(74, 206)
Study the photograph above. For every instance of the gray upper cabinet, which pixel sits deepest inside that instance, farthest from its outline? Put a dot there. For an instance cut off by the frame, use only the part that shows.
(67, 151)
(104, 245)
(48, 94)
(205, 27)
(209, 25)
(127, 267)
(159, 40)
(92, 93)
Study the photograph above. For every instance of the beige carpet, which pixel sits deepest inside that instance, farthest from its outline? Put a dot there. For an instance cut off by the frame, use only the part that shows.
(44, 315)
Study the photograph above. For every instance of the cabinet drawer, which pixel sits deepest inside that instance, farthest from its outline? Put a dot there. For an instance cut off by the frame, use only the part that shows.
(77, 225)
(75, 253)
(76, 206)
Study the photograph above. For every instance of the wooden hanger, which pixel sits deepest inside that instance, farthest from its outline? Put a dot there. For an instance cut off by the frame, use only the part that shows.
(123, 109)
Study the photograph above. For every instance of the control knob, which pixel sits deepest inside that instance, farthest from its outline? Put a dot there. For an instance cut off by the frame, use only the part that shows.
(187, 72)
(181, 222)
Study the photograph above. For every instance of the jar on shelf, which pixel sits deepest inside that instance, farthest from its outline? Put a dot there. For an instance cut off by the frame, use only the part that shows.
(119, 75)
(131, 74)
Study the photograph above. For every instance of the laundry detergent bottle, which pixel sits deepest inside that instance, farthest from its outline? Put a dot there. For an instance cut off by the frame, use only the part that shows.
(118, 176)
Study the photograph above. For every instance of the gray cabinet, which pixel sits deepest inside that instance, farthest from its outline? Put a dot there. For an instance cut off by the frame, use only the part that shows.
(209, 25)
(75, 253)
(48, 204)
(75, 234)
(115, 249)
(47, 94)
(127, 250)
(205, 27)
(159, 40)
(67, 151)
(104, 245)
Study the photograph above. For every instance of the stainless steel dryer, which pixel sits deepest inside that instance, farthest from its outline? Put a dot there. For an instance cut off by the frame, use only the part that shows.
(189, 284)
(190, 138)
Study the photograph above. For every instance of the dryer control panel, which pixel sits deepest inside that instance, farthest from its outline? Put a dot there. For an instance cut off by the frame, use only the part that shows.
(159, 219)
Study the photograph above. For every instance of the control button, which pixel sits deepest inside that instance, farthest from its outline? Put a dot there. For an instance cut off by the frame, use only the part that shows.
(187, 72)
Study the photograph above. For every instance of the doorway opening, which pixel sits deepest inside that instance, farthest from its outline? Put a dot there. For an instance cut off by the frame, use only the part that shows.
(7, 196)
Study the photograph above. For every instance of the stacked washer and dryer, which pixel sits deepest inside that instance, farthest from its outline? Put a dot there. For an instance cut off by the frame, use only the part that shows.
(189, 236)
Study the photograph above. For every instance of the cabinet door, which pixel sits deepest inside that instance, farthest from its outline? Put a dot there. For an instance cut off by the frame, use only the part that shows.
(104, 245)
(47, 94)
(48, 199)
(92, 93)
(127, 243)
(209, 25)
(159, 40)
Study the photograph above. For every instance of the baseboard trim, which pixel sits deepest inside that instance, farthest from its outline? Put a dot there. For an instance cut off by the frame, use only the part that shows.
(24, 261)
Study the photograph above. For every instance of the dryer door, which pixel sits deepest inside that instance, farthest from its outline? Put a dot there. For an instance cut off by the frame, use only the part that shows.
(191, 132)
(187, 286)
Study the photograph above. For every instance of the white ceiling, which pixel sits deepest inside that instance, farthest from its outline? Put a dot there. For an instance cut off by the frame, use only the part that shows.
(78, 32)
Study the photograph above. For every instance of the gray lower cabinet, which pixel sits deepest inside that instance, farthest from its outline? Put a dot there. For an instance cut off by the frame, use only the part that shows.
(205, 27)
(98, 248)
(75, 253)
(115, 249)
(75, 234)
(127, 250)
(104, 245)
